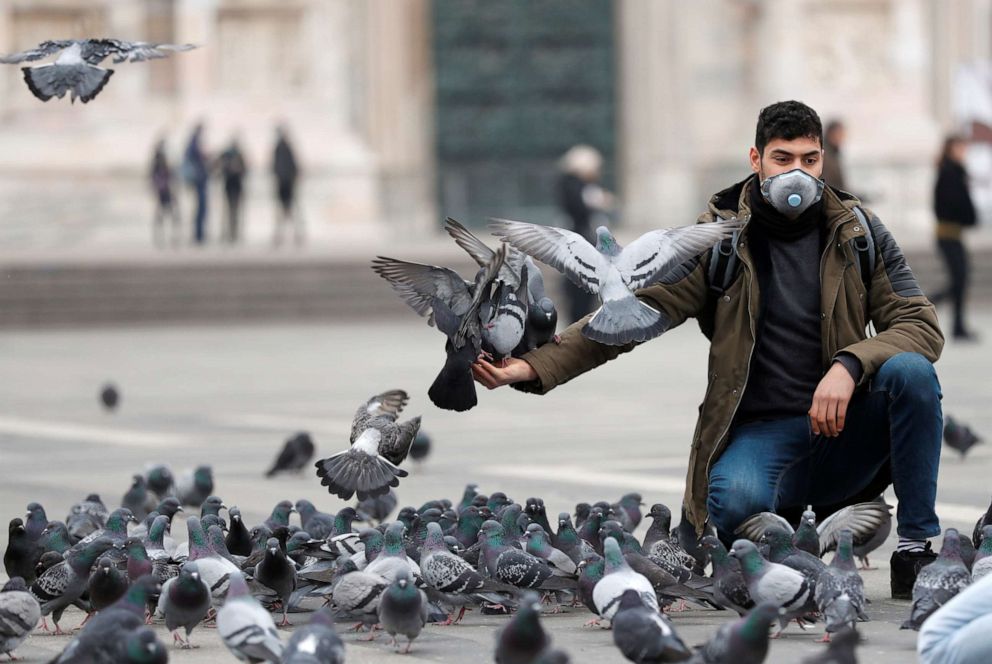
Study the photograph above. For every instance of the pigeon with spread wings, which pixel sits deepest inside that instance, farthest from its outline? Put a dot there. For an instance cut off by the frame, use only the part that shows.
(452, 304)
(75, 70)
(614, 272)
(379, 444)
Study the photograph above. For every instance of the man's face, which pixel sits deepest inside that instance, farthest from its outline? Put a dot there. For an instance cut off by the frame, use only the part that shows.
(782, 156)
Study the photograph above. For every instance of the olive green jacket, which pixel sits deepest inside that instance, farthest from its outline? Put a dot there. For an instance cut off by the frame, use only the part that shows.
(903, 319)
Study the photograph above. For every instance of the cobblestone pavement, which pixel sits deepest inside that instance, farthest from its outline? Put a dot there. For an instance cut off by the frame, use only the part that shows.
(229, 396)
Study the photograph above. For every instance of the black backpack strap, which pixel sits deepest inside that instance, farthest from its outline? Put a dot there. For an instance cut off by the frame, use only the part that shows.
(864, 249)
(723, 264)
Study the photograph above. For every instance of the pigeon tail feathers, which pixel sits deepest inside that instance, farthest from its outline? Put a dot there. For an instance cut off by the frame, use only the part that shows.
(625, 320)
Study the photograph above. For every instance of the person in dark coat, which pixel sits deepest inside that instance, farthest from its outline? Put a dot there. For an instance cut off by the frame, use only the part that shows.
(287, 172)
(232, 171)
(165, 204)
(196, 174)
(955, 212)
(581, 198)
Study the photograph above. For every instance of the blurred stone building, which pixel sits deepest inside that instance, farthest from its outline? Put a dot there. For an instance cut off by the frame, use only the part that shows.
(403, 111)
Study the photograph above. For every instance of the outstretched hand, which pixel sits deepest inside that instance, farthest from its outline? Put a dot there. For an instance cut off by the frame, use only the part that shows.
(492, 376)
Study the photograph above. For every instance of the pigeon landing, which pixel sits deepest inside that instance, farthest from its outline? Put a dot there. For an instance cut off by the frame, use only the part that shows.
(75, 70)
(613, 272)
(453, 305)
(379, 444)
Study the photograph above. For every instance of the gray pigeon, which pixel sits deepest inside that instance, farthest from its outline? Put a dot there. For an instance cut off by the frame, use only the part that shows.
(743, 641)
(840, 651)
(75, 70)
(938, 582)
(447, 573)
(403, 609)
(984, 520)
(863, 519)
(296, 452)
(983, 556)
(106, 584)
(110, 396)
(195, 486)
(729, 588)
(137, 498)
(503, 320)
(185, 601)
(452, 304)
(86, 516)
(245, 627)
(770, 582)
(614, 272)
(617, 579)
(160, 481)
(522, 640)
(316, 642)
(356, 593)
(643, 635)
(19, 613)
(959, 436)
(64, 583)
(378, 445)
(840, 590)
(508, 564)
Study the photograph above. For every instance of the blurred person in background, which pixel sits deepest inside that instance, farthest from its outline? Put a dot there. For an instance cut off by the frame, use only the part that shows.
(286, 172)
(955, 212)
(232, 170)
(582, 198)
(195, 173)
(165, 204)
(833, 164)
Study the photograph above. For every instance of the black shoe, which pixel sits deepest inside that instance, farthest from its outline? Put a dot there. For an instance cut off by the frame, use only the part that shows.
(905, 565)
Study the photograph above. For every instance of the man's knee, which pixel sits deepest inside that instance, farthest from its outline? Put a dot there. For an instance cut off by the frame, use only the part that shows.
(909, 375)
(730, 502)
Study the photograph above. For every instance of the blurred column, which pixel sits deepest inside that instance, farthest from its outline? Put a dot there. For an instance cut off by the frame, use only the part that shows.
(398, 110)
(655, 156)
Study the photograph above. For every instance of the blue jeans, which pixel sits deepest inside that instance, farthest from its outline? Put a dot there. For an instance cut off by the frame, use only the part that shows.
(779, 464)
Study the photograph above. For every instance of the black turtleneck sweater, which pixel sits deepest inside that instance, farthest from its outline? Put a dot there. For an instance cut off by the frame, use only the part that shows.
(786, 365)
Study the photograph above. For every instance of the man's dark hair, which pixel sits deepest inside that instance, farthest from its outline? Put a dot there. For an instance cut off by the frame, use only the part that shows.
(787, 120)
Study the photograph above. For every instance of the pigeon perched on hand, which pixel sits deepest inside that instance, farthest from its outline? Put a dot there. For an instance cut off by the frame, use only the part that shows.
(613, 272)
(452, 304)
(75, 70)
(19, 613)
(378, 445)
(294, 456)
(959, 436)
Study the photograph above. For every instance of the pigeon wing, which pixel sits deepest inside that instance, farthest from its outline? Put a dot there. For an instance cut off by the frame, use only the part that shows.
(656, 253)
(387, 405)
(482, 254)
(354, 471)
(96, 51)
(754, 527)
(566, 251)
(863, 519)
(42, 50)
(419, 284)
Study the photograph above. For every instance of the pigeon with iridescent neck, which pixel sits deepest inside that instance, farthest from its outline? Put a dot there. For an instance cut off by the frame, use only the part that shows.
(643, 635)
(184, 602)
(214, 570)
(617, 578)
(743, 641)
(457, 582)
(65, 583)
(393, 556)
(35, 521)
(403, 609)
(195, 486)
(983, 556)
(280, 515)
(379, 444)
(729, 588)
(771, 582)
(840, 590)
(614, 272)
(509, 564)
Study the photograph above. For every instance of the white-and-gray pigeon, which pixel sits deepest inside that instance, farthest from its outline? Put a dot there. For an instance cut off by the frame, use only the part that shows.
(613, 272)
(643, 635)
(938, 582)
(316, 642)
(840, 590)
(75, 70)
(19, 613)
(378, 445)
(245, 627)
(619, 577)
(771, 582)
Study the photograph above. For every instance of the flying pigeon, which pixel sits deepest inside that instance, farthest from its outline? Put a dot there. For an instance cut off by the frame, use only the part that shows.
(403, 609)
(75, 70)
(770, 582)
(643, 635)
(452, 304)
(19, 613)
(614, 272)
(503, 320)
(862, 519)
(938, 582)
(959, 436)
(110, 396)
(316, 642)
(378, 445)
(743, 641)
(840, 590)
(245, 627)
(295, 453)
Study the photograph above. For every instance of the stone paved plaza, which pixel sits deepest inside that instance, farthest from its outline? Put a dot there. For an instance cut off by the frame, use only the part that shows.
(229, 396)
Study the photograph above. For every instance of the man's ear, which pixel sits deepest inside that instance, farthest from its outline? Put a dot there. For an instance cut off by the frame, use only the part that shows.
(755, 158)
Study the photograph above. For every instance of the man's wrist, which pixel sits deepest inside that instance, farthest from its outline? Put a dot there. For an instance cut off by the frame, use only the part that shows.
(852, 364)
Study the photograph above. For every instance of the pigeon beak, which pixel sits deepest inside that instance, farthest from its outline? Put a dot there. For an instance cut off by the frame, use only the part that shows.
(195, 575)
(273, 551)
(223, 506)
(180, 509)
(150, 648)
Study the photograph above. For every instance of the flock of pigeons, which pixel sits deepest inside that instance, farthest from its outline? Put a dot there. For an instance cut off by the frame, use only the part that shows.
(434, 563)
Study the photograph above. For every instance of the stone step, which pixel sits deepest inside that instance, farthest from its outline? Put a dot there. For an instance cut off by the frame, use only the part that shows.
(66, 294)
